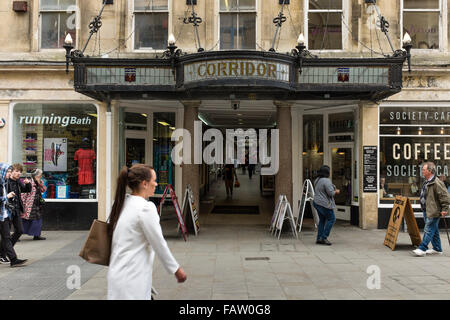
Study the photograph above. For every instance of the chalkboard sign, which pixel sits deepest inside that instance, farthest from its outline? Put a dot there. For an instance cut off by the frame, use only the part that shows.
(370, 181)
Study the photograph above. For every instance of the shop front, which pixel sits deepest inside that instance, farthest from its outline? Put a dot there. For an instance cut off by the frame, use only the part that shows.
(410, 134)
(61, 139)
(321, 107)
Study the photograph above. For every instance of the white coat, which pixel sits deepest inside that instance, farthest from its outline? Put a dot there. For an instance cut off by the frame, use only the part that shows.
(135, 240)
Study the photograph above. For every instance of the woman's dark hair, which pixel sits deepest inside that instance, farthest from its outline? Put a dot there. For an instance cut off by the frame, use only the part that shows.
(130, 177)
(324, 172)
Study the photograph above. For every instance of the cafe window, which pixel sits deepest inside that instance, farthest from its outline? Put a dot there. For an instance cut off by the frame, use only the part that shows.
(313, 145)
(324, 24)
(410, 136)
(422, 21)
(58, 17)
(151, 23)
(61, 140)
(237, 24)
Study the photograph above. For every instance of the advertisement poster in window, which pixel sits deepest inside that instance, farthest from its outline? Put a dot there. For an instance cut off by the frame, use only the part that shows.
(55, 154)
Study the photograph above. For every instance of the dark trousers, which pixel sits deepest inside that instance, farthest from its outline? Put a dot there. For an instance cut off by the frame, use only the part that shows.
(16, 221)
(6, 245)
(18, 227)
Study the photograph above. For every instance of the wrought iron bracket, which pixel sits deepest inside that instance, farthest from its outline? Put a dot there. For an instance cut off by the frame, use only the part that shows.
(300, 53)
(195, 21)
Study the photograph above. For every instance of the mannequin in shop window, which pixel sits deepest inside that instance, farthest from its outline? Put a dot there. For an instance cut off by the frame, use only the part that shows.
(84, 158)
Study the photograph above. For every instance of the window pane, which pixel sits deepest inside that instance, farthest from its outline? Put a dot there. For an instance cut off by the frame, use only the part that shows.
(55, 27)
(163, 126)
(423, 27)
(135, 121)
(323, 35)
(312, 145)
(247, 31)
(49, 32)
(67, 25)
(151, 30)
(421, 4)
(57, 4)
(246, 4)
(150, 5)
(228, 5)
(228, 31)
(325, 4)
(61, 140)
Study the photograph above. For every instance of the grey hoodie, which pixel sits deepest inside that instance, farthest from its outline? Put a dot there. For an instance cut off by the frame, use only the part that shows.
(324, 192)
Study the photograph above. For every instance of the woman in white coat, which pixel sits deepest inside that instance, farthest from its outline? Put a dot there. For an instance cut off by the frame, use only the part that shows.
(137, 236)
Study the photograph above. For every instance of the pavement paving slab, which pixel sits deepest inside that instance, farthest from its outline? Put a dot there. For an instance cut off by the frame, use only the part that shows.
(241, 262)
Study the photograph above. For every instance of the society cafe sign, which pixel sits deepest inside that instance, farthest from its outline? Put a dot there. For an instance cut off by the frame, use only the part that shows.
(236, 68)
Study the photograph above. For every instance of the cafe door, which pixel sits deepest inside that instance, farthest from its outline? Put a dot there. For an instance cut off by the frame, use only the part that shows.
(341, 176)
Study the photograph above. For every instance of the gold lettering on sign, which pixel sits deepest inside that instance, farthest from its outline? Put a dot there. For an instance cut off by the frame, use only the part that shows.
(237, 69)
(222, 69)
(247, 69)
(261, 69)
(233, 68)
(200, 68)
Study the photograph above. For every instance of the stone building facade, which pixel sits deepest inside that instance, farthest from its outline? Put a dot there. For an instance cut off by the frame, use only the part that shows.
(36, 94)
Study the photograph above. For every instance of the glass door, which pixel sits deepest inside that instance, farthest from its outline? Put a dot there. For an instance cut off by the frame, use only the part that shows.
(341, 177)
(135, 147)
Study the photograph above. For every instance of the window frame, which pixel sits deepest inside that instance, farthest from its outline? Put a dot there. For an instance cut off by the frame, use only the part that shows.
(133, 12)
(238, 11)
(13, 104)
(40, 12)
(344, 16)
(393, 104)
(443, 45)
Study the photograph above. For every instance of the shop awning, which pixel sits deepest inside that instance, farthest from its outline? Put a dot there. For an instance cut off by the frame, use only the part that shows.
(244, 75)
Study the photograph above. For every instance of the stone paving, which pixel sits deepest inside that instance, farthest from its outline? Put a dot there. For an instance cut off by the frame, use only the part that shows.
(244, 262)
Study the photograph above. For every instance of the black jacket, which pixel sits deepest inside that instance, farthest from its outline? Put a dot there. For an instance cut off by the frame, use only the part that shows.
(17, 187)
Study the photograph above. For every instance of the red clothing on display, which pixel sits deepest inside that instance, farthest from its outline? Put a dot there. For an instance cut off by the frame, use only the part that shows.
(85, 157)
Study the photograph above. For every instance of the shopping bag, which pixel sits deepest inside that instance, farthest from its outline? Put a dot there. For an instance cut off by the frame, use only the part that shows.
(97, 248)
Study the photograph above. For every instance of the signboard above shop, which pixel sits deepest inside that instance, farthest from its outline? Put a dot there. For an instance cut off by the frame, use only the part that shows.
(248, 75)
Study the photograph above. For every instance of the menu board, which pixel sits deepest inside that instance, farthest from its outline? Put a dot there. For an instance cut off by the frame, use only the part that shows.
(370, 183)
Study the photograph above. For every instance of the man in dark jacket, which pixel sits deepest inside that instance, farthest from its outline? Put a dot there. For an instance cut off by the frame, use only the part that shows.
(435, 202)
(15, 185)
(5, 216)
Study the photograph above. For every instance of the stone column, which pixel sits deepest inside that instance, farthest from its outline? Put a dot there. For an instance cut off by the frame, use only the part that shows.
(368, 128)
(101, 160)
(191, 172)
(283, 179)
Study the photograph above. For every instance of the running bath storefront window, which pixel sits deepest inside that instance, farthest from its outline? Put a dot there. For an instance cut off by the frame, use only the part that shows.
(410, 136)
(61, 140)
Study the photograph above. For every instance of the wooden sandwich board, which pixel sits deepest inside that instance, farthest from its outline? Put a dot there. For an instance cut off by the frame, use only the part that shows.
(181, 223)
(191, 217)
(402, 209)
